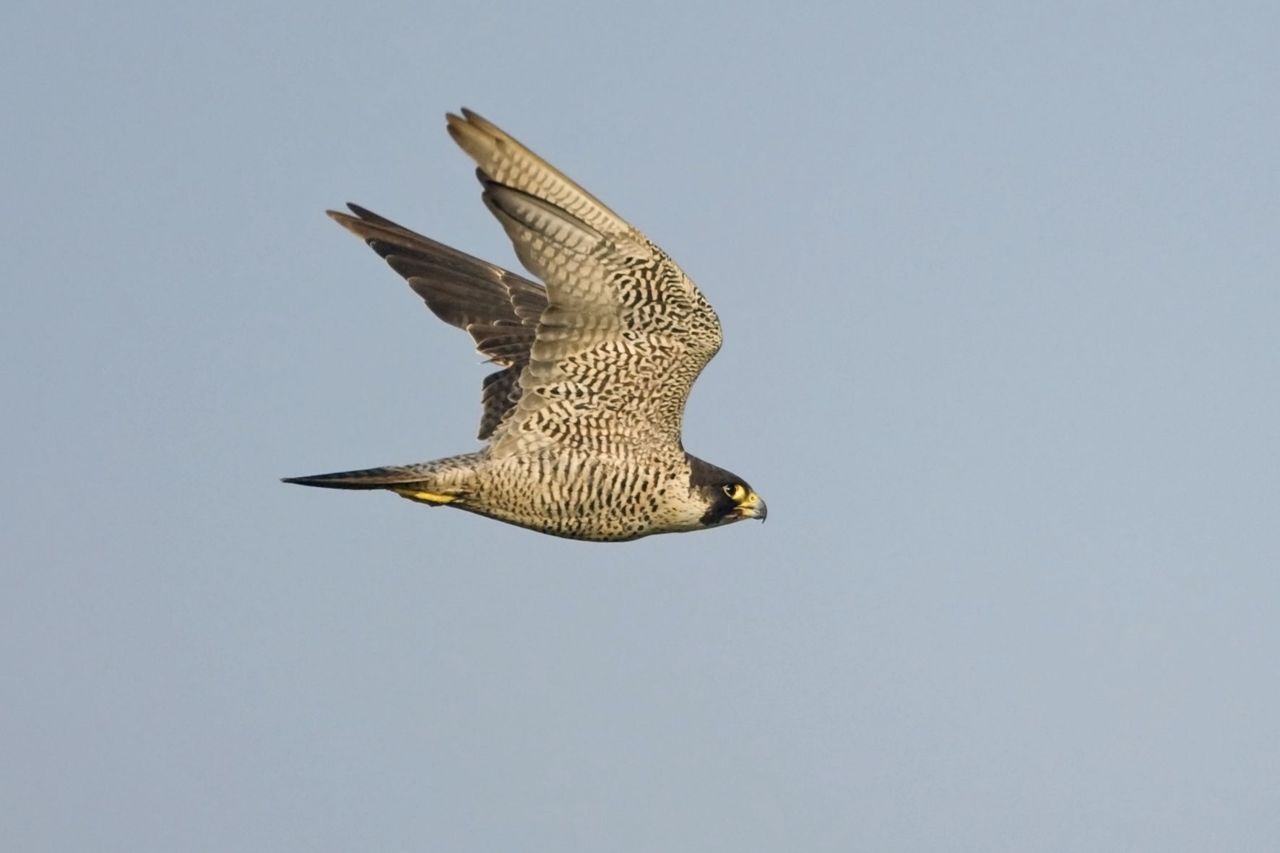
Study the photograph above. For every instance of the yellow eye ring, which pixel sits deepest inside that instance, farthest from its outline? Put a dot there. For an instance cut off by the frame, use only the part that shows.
(736, 491)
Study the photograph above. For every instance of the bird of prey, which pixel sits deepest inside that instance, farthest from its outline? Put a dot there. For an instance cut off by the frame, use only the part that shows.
(582, 421)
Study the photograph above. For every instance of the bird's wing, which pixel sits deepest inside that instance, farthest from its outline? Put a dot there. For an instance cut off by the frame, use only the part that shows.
(625, 332)
(498, 308)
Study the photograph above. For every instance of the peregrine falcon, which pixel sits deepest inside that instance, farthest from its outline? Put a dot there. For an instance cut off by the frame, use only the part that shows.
(582, 421)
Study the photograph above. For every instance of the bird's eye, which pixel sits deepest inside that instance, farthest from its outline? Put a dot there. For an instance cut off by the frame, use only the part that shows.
(735, 491)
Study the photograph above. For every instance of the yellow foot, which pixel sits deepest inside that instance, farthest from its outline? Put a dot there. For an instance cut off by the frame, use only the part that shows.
(431, 498)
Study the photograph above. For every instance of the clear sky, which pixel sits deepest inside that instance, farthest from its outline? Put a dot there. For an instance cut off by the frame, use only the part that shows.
(1000, 288)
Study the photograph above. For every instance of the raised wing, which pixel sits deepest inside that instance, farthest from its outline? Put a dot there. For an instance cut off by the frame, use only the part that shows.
(498, 308)
(625, 333)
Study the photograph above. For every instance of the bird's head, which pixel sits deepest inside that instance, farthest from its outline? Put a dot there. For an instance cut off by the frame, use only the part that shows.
(726, 496)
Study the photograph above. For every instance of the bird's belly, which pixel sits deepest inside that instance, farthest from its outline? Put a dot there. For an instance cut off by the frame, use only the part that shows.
(578, 496)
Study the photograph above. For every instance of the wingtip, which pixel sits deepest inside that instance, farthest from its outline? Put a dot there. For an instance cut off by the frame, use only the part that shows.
(453, 121)
(362, 217)
(473, 132)
(346, 220)
(352, 208)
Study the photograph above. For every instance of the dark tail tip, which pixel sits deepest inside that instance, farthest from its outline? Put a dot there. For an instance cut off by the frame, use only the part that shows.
(372, 478)
(323, 480)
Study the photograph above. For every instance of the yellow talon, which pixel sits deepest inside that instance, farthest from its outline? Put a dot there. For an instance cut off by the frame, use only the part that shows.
(426, 497)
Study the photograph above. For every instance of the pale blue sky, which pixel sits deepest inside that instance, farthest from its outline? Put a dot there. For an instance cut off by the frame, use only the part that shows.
(1000, 295)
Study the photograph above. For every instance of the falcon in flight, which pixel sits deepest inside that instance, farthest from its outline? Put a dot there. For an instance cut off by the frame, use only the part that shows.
(582, 421)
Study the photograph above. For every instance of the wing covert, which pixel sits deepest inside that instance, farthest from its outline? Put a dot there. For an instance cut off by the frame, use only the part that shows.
(625, 332)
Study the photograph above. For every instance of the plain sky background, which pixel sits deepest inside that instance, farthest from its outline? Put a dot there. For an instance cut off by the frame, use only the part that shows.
(1000, 286)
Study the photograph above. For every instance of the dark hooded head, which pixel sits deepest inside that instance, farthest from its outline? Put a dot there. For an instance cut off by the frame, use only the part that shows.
(727, 496)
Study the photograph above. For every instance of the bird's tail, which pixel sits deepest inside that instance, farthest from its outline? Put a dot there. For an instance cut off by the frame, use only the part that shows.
(436, 483)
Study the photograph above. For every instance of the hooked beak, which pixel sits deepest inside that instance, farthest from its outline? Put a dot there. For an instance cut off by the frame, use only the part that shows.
(752, 506)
